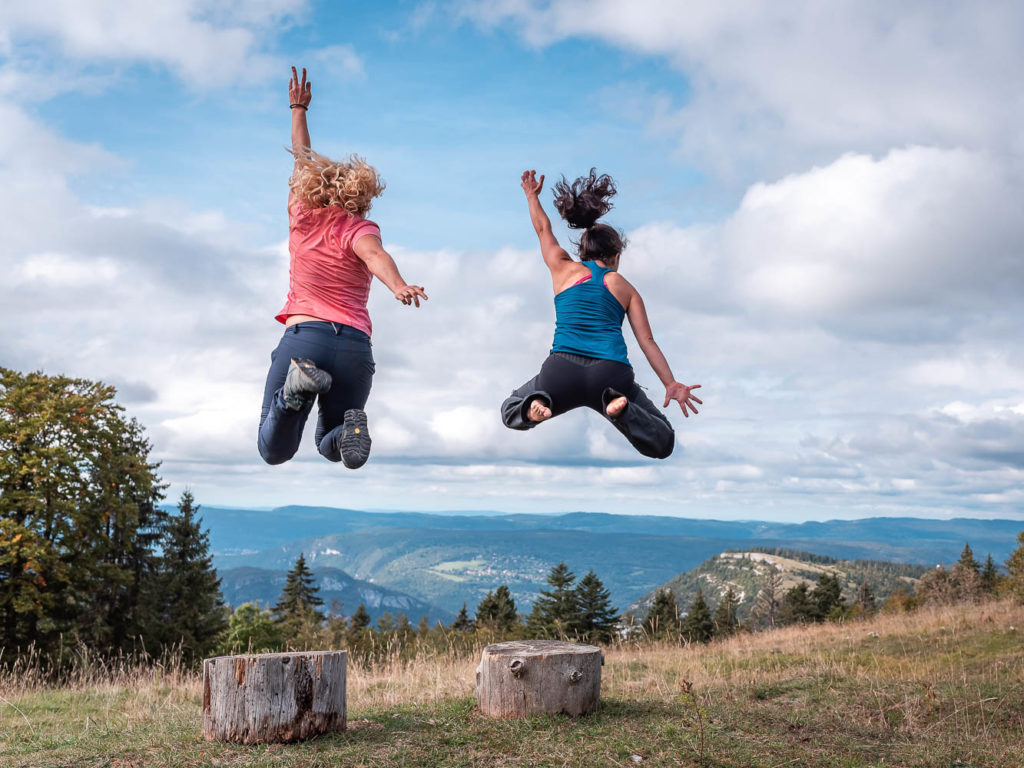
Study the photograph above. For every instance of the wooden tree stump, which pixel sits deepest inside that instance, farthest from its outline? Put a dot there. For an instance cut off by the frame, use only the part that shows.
(523, 678)
(273, 697)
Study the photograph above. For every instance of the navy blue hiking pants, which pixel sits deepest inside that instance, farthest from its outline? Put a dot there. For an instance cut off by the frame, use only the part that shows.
(568, 381)
(342, 351)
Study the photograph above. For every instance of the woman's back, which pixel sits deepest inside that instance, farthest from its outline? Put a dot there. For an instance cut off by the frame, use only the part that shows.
(588, 318)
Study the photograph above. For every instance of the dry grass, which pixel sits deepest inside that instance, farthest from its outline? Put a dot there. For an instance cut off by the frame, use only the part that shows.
(939, 687)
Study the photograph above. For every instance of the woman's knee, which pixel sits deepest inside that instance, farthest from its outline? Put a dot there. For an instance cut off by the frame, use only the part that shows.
(274, 457)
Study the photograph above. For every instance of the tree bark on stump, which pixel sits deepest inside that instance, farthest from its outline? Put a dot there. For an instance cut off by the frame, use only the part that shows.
(523, 678)
(273, 697)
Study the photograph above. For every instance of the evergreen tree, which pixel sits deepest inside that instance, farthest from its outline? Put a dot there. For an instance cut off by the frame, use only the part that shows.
(827, 598)
(497, 611)
(726, 620)
(663, 617)
(556, 611)
(300, 593)
(462, 622)
(967, 559)
(1015, 570)
(358, 627)
(990, 577)
(298, 607)
(189, 598)
(698, 626)
(797, 606)
(597, 615)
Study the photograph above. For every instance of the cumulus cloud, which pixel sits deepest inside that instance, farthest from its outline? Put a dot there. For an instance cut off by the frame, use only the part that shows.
(207, 43)
(772, 85)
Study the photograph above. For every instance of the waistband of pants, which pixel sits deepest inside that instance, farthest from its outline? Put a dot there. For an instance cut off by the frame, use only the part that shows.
(326, 326)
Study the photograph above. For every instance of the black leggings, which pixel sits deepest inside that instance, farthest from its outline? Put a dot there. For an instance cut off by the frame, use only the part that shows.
(568, 381)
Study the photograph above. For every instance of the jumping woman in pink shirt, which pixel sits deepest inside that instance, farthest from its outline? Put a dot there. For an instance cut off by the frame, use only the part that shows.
(325, 352)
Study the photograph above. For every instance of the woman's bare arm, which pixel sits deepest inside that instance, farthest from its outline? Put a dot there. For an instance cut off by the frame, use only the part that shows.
(299, 96)
(637, 313)
(554, 255)
(379, 262)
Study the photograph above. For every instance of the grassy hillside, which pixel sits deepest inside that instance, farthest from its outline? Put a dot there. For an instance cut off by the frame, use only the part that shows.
(745, 573)
(940, 687)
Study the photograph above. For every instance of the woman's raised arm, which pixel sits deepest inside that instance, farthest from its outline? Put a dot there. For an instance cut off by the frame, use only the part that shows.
(299, 95)
(554, 255)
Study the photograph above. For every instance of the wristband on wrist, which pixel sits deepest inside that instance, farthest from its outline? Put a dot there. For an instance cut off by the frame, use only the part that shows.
(301, 106)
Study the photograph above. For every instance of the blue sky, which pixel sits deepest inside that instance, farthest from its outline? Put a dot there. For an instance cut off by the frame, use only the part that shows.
(823, 205)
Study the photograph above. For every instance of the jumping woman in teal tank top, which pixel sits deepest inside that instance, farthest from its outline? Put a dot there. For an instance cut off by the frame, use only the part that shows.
(588, 365)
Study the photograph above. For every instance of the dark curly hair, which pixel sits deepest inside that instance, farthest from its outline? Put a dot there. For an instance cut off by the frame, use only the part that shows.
(581, 204)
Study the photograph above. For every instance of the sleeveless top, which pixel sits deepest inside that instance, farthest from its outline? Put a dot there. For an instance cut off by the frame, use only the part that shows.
(588, 319)
(326, 278)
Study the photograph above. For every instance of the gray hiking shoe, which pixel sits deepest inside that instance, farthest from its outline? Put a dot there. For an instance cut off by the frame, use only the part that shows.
(304, 380)
(355, 439)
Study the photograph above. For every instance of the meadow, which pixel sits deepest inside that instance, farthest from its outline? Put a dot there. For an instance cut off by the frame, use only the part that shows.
(942, 686)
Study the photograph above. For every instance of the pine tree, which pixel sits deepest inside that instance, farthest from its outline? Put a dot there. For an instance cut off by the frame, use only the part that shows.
(827, 597)
(967, 559)
(598, 617)
(462, 622)
(358, 628)
(698, 626)
(298, 606)
(726, 621)
(555, 611)
(663, 617)
(189, 598)
(990, 577)
(1015, 570)
(497, 611)
(797, 606)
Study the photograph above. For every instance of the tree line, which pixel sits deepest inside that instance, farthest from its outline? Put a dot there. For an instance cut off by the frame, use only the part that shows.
(88, 556)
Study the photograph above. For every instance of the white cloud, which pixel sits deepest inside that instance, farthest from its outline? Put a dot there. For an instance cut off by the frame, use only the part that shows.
(207, 43)
(775, 84)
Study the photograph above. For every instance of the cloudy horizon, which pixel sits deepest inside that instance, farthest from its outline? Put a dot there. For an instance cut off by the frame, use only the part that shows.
(823, 203)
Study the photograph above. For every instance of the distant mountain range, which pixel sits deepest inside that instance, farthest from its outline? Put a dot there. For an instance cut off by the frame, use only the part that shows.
(745, 572)
(340, 592)
(445, 560)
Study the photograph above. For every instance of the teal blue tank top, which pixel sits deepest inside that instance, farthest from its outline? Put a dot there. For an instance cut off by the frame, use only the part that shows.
(588, 319)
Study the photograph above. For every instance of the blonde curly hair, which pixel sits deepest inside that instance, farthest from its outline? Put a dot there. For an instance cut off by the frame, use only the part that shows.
(318, 182)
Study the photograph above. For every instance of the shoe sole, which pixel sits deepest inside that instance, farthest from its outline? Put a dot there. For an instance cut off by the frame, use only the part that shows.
(355, 439)
(319, 381)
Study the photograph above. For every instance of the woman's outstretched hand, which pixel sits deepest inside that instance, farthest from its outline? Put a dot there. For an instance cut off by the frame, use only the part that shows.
(682, 394)
(299, 92)
(530, 185)
(410, 294)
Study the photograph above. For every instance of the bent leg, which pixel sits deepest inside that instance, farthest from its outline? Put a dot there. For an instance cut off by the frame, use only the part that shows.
(643, 425)
(515, 410)
(351, 369)
(280, 427)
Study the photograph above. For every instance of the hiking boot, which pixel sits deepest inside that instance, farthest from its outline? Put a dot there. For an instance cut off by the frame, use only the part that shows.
(304, 380)
(355, 439)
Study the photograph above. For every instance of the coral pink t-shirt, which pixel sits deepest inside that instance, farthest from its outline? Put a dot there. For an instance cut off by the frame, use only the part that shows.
(325, 277)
